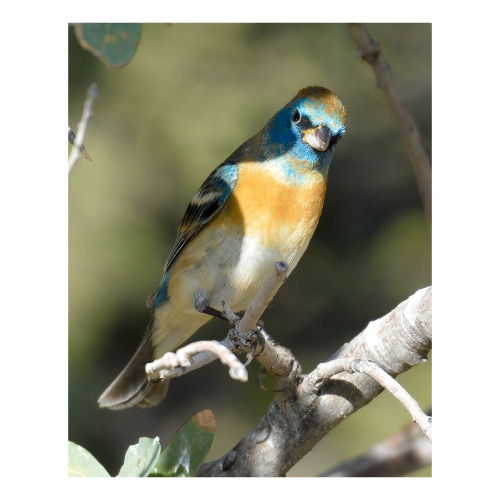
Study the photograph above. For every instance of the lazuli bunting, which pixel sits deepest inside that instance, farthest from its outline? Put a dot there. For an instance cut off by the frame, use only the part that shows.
(258, 207)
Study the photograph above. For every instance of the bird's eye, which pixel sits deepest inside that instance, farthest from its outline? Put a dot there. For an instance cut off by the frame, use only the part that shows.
(296, 117)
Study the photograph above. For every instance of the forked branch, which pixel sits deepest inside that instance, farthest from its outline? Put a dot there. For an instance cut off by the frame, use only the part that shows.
(294, 424)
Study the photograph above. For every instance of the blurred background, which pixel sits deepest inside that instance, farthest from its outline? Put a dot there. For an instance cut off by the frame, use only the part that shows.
(190, 96)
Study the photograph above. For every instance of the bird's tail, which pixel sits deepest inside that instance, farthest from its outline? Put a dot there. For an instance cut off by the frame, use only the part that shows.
(132, 386)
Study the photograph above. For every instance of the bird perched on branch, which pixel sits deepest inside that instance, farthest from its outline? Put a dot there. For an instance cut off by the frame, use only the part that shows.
(258, 207)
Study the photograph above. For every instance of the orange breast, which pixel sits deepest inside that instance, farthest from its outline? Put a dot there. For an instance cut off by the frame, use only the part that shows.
(274, 211)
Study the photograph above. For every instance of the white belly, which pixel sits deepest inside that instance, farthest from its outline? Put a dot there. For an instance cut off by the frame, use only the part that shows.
(233, 269)
(253, 267)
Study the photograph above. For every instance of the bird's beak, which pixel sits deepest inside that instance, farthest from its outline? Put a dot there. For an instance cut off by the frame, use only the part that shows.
(318, 138)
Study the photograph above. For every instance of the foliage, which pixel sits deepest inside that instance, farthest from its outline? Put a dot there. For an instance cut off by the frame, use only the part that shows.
(181, 458)
(190, 95)
(114, 44)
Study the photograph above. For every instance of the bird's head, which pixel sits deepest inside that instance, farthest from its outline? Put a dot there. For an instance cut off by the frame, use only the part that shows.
(307, 129)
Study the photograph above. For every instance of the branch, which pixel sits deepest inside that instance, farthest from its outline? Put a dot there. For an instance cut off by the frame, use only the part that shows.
(77, 139)
(306, 408)
(292, 426)
(325, 371)
(72, 140)
(242, 338)
(402, 453)
(264, 297)
(182, 358)
(369, 51)
(248, 336)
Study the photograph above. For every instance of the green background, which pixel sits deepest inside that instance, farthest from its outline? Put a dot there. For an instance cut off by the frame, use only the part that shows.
(190, 96)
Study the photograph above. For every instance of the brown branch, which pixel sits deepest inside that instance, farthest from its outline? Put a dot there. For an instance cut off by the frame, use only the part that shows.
(292, 426)
(402, 453)
(369, 51)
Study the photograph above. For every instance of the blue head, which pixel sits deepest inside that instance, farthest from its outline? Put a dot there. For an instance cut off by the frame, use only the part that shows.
(302, 136)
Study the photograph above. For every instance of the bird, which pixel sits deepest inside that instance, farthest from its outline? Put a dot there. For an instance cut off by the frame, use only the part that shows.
(258, 207)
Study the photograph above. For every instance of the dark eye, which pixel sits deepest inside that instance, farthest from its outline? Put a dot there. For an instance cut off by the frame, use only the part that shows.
(296, 117)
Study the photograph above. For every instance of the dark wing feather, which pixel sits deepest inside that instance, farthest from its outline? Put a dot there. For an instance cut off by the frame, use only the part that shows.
(203, 207)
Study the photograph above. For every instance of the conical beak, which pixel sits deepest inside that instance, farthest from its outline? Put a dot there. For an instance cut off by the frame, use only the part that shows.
(318, 138)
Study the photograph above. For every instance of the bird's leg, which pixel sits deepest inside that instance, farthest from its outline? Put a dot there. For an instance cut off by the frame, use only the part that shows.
(214, 312)
(229, 314)
(201, 301)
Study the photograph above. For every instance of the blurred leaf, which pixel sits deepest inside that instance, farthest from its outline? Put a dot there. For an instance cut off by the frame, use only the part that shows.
(140, 458)
(82, 464)
(112, 43)
(187, 451)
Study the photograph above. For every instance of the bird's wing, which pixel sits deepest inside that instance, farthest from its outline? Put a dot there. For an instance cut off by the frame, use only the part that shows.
(202, 208)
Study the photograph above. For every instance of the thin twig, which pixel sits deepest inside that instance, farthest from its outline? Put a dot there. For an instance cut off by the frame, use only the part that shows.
(369, 51)
(182, 358)
(277, 360)
(72, 140)
(78, 147)
(264, 297)
(325, 371)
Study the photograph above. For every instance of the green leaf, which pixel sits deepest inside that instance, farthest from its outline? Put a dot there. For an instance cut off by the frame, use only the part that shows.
(140, 458)
(112, 43)
(187, 451)
(82, 464)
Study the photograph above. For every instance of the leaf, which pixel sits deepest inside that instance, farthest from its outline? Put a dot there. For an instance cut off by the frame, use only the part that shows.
(112, 43)
(187, 451)
(140, 458)
(82, 464)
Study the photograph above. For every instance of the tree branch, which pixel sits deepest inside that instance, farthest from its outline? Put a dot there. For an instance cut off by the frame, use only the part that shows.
(400, 454)
(306, 408)
(182, 358)
(326, 371)
(245, 336)
(77, 139)
(369, 51)
(264, 297)
(293, 425)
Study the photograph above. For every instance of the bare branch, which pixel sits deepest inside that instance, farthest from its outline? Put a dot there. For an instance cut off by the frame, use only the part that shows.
(306, 408)
(402, 453)
(182, 358)
(292, 426)
(72, 140)
(77, 140)
(325, 371)
(264, 297)
(369, 51)
(276, 359)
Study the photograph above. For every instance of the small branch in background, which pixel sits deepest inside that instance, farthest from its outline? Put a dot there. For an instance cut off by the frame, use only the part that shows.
(72, 140)
(77, 139)
(369, 51)
(402, 453)
(325, 371)
(182, 358)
